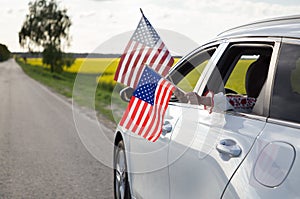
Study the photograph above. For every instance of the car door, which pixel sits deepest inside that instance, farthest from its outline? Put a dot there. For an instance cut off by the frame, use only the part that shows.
(206, 148)
(271, 170)
(148, 161)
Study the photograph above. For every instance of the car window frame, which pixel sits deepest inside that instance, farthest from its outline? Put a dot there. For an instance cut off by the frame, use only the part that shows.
(269, 81)
(217, 44)
(190, 65)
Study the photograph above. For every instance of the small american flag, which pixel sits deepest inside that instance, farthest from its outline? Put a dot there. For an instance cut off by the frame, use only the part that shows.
(145, 112)
(144, 47)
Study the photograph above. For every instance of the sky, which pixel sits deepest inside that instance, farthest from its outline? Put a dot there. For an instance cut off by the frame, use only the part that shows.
(97, 21)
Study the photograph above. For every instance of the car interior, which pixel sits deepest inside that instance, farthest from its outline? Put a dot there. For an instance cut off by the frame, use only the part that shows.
(242, 71)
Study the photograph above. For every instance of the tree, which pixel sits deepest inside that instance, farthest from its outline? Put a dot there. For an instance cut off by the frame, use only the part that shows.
(4, 53)
(47, 27)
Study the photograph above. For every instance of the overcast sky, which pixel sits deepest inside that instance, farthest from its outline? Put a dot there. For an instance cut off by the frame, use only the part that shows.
(96, 21)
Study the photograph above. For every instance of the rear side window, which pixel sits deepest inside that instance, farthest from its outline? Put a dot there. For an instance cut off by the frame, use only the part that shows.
(285, 104)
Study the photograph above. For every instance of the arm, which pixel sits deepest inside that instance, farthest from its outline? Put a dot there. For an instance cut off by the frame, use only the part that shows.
(194, 98)
(217, 102)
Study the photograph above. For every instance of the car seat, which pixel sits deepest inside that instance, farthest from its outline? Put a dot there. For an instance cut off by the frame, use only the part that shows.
(256, 75)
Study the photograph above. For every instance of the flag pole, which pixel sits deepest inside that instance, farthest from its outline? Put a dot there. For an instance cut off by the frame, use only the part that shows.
(142, 12)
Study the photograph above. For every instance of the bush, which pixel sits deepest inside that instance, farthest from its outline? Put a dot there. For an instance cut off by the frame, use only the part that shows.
(4, 53)
(106, 82)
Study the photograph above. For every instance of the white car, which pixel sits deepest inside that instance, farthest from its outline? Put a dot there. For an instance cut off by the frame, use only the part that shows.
(237, 152)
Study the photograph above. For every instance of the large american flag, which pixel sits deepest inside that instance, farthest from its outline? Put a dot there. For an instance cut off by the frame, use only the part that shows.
(144, 47)
(145, 112)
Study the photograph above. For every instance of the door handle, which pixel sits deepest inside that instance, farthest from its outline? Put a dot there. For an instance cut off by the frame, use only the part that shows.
(166, 128)
(229, 147)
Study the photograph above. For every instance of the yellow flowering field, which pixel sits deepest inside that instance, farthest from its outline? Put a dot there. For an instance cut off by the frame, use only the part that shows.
(83, 65)
(104, 67)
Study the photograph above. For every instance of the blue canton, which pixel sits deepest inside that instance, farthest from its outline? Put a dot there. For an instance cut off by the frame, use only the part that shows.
(147, 86)
(145, 33)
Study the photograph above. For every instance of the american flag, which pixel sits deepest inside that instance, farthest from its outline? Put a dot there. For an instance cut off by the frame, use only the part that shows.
(145, 112)
(144, 47)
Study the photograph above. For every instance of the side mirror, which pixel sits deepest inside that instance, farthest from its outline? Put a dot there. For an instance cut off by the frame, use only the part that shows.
(126, 94)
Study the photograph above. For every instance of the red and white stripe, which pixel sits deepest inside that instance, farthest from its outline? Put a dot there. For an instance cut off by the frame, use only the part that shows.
(136, 55)
(144, 119)
(162, 97)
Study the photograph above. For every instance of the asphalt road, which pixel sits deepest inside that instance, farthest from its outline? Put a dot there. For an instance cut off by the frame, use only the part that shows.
(41, 153)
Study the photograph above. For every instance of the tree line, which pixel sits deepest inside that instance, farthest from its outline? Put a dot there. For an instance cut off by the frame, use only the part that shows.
(4, 53)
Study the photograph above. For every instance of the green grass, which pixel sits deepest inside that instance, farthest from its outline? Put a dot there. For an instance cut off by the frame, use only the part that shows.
(61, 83)
(86, 87)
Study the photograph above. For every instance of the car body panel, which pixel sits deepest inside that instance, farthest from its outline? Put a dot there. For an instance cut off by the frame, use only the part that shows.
(149, 162)
(197, 169)
(245, 185)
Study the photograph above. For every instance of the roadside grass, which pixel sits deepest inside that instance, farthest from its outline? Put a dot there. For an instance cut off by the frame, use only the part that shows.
(63, 83)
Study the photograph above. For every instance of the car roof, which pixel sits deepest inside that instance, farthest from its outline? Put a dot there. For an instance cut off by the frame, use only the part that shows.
(288, 26)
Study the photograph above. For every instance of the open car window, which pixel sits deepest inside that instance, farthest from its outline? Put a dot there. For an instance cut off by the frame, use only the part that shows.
(240, 75)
